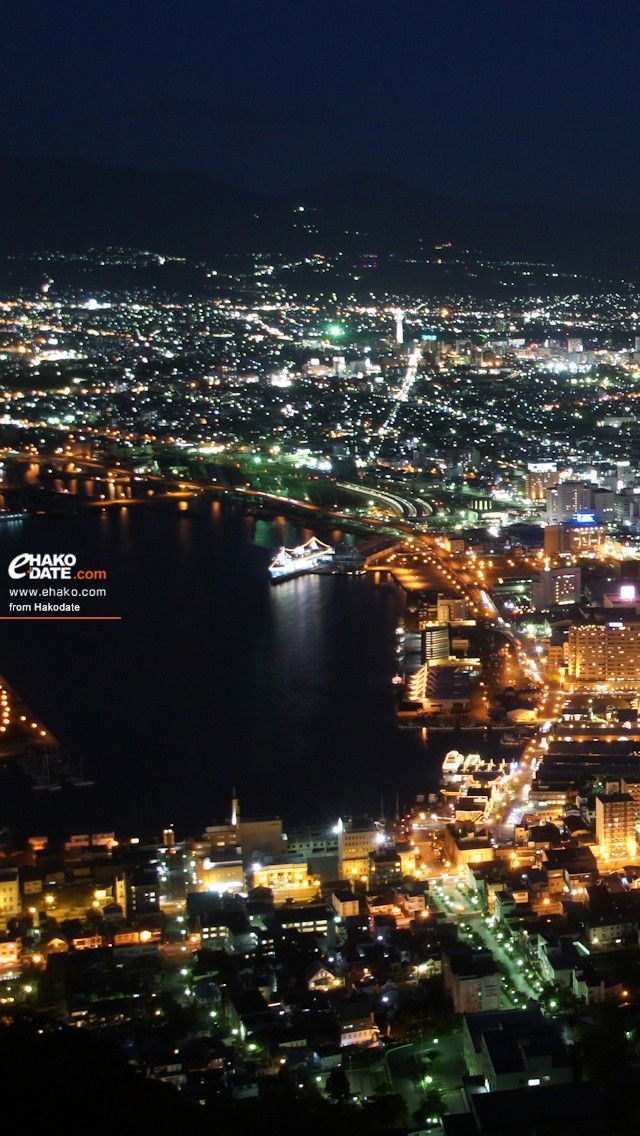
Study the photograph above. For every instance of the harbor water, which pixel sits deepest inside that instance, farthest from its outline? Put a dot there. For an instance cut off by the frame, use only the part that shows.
(212, 680)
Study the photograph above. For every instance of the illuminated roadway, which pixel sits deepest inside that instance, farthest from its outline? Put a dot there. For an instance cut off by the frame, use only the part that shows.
(403, 394)
(402, 505)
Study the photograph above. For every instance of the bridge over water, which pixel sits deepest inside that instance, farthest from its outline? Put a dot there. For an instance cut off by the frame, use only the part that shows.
(24, 738)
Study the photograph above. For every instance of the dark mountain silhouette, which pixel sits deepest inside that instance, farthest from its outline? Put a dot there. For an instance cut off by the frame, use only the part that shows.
(71, 205)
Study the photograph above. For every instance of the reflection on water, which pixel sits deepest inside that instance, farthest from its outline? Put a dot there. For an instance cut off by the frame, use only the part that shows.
(213, 678)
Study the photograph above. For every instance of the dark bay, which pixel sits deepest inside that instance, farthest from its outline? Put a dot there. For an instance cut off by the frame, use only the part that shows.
(213, 679)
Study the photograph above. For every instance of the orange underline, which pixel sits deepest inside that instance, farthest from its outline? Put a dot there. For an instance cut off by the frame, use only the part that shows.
(60, 617)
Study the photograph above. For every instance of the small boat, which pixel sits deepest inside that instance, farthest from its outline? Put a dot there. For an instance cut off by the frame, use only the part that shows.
(452, 761)
(510, 739)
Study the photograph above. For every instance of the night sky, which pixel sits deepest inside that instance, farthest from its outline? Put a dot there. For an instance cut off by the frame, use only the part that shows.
(505, 100)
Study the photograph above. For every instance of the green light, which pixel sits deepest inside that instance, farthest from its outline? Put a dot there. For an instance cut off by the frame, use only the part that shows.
(335, 330)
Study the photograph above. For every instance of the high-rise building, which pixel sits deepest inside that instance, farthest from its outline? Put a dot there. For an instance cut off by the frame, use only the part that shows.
(631, 785)
(605, 653)
(567, 499)
(540, 477)
(556, 586)
(435, 642)
(605, 505)
(625, 474)
(616, 815)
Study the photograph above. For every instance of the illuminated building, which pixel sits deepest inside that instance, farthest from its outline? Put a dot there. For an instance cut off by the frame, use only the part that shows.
(608, 933)
(288, 879)
(451, 609)
(556, 586)
(344, 902)
(471, 978)
(447, 689)
(407, 855)
(466, 847)
(582, 536)
(356, 1021)
(221, 871)
(320, 977)
(388, 865)
(254, 836)
(9, 954)
(616, 825)
(557, 651)
(626, 599)
(356, 839)
(144, 893)
(540, 477)
(608, 653)
(9, 894)
(312, 841)
(309, 919)
(385, 868)
(604, 505)
(631, 785)
(469, 810)
(435, 642)
(455, 545)
(536, 1054)
(173, 870)
(567, 499)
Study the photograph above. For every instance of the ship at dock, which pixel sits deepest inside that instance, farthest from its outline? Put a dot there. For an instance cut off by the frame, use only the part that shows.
(314, 556)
